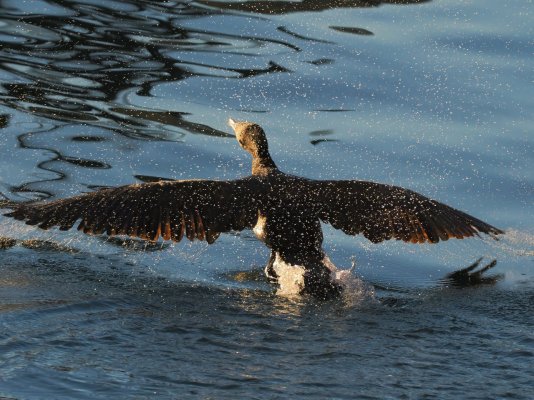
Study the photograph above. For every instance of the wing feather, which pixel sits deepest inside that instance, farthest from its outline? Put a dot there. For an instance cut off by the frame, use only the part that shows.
(382, 212)
(197, 209)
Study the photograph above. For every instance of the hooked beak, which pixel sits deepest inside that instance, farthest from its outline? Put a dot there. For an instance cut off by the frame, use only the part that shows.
(232, 123)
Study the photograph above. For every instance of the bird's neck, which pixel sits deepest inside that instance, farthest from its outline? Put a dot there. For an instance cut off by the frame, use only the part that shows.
(263, 165)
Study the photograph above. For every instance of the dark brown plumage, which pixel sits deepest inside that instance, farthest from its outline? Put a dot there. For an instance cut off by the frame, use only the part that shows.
(283, 210)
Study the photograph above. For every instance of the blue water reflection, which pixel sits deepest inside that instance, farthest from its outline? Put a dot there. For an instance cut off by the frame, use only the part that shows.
(434, 96)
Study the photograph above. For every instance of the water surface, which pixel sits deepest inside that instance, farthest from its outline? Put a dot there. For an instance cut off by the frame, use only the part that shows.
(433, 96)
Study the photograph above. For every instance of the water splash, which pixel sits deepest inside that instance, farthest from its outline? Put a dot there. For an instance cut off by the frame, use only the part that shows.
(517, 243)
(291, 281)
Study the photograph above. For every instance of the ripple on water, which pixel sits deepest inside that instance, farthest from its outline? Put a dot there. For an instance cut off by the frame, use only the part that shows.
(103, 93)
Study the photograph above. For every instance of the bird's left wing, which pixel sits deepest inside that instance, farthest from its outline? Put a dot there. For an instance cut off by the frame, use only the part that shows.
(196, 209)
(381, 212)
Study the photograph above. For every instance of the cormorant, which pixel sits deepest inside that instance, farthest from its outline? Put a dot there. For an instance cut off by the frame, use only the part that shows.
(284, 211)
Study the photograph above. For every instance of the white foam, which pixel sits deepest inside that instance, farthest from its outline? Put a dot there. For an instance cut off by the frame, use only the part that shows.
(291, 281)
(516, 242)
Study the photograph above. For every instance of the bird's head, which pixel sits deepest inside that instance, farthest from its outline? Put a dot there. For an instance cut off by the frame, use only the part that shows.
(251, 137)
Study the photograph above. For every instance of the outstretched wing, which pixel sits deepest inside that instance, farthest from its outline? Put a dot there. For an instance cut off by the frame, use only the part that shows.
(197, 209)
(381, 212)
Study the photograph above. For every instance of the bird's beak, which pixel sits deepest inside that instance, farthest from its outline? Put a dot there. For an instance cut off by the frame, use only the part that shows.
(232, 123)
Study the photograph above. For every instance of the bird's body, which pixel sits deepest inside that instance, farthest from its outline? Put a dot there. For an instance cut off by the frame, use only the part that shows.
(292, 230)
(284, 211)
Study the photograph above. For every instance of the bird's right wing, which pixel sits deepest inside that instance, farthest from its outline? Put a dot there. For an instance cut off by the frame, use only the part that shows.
(197, 209)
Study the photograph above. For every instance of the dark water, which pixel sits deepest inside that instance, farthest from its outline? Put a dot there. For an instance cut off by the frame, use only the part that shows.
(436, 96)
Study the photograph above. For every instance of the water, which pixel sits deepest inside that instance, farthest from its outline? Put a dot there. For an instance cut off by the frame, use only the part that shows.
(434, 96)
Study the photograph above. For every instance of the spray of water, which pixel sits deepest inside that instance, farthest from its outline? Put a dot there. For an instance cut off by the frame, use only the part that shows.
(517, 243)
(291, 281)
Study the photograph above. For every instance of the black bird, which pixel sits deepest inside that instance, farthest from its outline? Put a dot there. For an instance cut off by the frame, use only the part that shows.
(284, 211)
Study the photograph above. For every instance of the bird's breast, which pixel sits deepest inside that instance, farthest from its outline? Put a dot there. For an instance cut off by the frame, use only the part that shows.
(260, 228)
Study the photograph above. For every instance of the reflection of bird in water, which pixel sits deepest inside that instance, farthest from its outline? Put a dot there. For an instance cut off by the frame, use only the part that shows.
(284, 211)
(469, 277)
